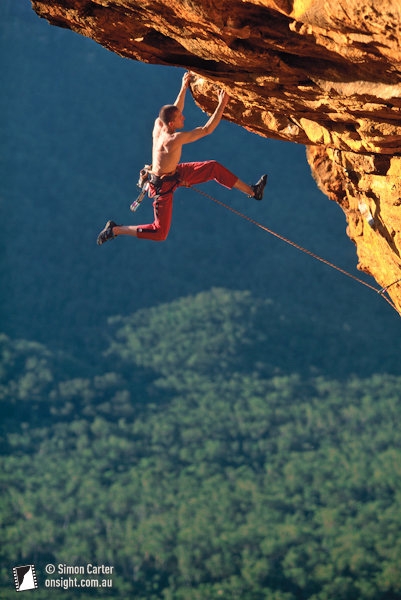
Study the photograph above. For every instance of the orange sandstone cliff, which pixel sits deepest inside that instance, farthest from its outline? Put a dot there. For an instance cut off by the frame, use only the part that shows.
(323, 74)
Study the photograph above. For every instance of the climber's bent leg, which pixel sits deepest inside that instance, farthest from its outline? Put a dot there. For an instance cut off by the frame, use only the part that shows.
(159, 229)
(125, 230)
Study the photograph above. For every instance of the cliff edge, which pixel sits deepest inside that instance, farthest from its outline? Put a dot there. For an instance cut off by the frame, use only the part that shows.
(326, 75)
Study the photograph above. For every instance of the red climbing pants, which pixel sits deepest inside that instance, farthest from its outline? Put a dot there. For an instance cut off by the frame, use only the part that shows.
(187, 174)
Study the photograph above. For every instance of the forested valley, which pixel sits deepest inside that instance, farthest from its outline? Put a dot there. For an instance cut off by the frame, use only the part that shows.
(197, 466)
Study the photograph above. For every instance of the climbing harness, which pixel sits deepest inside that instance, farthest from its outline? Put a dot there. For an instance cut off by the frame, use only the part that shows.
(147, 178)
(381, 292)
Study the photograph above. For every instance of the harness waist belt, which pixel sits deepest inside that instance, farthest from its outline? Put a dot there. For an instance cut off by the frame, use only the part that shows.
(159, 179)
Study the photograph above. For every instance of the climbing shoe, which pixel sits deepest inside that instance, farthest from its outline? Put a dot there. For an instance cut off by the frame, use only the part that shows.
(259, 188)
(106, 233)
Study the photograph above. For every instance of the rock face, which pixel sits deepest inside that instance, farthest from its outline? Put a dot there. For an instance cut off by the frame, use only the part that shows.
(323, 74)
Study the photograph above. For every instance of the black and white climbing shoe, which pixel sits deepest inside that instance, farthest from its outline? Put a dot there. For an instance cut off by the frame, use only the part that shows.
(259, 188)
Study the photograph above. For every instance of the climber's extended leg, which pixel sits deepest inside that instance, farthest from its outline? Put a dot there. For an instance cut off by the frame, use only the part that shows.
(200, 172)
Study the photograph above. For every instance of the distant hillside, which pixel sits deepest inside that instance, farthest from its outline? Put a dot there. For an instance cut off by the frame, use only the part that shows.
(196, 466)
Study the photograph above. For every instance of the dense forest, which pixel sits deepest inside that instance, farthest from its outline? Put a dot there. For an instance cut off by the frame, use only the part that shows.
(214, 417)
(198, 470)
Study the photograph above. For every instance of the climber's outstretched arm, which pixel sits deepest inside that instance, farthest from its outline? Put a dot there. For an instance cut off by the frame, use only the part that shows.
(180, 100)
(186, 137)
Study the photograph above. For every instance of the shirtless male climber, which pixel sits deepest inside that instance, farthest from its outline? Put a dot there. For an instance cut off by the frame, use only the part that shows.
(167, 173)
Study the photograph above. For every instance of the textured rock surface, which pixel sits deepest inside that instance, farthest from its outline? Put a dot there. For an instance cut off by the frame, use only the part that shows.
(323, 74)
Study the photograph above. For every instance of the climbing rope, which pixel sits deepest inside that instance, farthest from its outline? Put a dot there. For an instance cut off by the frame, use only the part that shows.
(381, 292)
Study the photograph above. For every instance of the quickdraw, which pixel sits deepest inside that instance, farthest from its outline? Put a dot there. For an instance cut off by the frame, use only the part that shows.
(143, 184)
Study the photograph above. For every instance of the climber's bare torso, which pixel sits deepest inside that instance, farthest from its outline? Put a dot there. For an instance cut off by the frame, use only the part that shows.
(168, 140)
(167, 147)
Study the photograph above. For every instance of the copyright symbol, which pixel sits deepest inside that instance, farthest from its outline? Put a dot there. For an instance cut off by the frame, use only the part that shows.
(50, 569)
